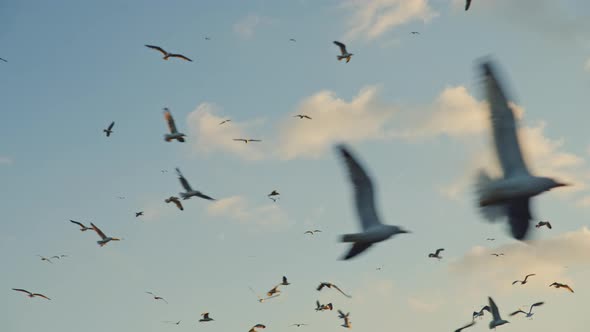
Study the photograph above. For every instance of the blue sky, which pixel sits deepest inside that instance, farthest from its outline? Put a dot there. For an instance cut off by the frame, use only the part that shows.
(411, 107)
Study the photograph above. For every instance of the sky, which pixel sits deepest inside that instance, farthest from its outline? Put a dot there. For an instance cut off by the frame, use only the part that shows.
(411, 108)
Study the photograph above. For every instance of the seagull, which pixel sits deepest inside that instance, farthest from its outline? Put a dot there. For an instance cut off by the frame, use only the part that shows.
(260, 299)
(164, 171)
(299, 325)
(105, 239)
(206, 317)
(3, 60)
(415, 32)
(176, 201)
(189, 191)
(302, 116)
(120, 197)
(345, 54)
(530, 313)
(373, 230)
(496, 320)
(330, 285)
(59, 257)
(345, 317)
(246, 140)
(523, 281)
(313, 232)
(322, 307)
(257, 326)
(137, 214)
(31, 295)
(543, 223)
(490, 239)
(168, 55)
(207, 38)
(83, 228)
(292, 39)
(285, 282)
(174, 134)
(273, 291)
(45, 259)
(480, 313)
(558, 285)
(467, 4)
(498, 255)
(224, 121)
(109, 130)
(157, 297)
(511, 194)
(273, 193)
(466, 326)
(436, 254)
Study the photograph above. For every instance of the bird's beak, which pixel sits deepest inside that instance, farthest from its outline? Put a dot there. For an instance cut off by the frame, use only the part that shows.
(404, 231)
(562, 184)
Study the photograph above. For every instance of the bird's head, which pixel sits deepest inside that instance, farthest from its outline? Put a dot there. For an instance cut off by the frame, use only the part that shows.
(399, 230)
(549, 183)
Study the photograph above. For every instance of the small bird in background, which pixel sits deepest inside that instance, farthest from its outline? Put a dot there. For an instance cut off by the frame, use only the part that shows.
(176, 201)
(343, 51)
(490, 239)
(257, 326)
(207, 38)
(31, 295)
(530, 313)
(543, 223)
(299, 324)
(292, 39)
(467, 4)
(436, 254)
(302, 116)
(273, 291)
(171, 322)
(174, 134)
(168, 55)
(157, 297)
(273, 193)
(285, 282)
(260, 299)
(45, 259)
(415, 32)
(206, 317)
(189, 191)
(313, 232)
(497, 255)
(137, 214)
(481, 312)
(322, 307)
(330, 285)
(109, 130)
(522, 282)
(83, 228)
(559, 285)
(224, 121)
(246, 140)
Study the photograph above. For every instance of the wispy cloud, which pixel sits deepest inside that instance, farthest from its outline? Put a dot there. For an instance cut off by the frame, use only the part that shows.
(373, 18)
(247, 26)
(268, 215)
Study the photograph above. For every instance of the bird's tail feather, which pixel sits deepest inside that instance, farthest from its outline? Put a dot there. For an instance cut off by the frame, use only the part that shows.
(340, 57)
(490, 212)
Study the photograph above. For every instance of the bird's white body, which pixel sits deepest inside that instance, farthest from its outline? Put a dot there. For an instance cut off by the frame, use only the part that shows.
(494, 192)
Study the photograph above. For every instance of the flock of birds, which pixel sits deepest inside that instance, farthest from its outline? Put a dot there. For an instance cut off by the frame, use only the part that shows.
(506, 197)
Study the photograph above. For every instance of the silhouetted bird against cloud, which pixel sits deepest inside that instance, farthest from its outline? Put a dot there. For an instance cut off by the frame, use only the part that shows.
(104, 239)
(530, 313)
(31, 295)
(481, 312)
(496, 318)
(347, 322)
(166, 54)
(246, 140)
(206, 317)
(330, 285)
(189, 191)
(109, 130)
(373, 230)
(559, 285)
(137, 214)
(312, 232)
(343, 51)
(436, 254)
(467, 4)
(543, 223)
(157, 297)
(176, 201)
(302, 116)
(224, 121)
(510, 195)
(522, 282)
(174, 134)
(322, 307)
(83, 228)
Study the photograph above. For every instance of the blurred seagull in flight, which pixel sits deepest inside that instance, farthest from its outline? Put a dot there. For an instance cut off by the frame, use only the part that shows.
(322, 307)
(490, 239)
(558, 285)
(260, 299)
(189, 191)
(246, 140)
(346, 319)
(543, 223)
(530, 313)
(467, 4)
(166, 54)
(273, 193)
(224, 121)
(174, 134)
(510, 195)
(285, 282)
(415, 32)
(343, 51)
(292, 39)
(105, 239)
(497, 255)
(109, 130)
(522, 282)
(83, 228)
(273, 291)
(330, 285)
(299, 324)
(31, 295)
(137, 214)
(3, 60)
(496, 320)
(206, 317)
(436, 254)
(313, 232)
(176, 201)
(480, 313)
(157, 297)
(45, 259)
(373, 230)
(302, 116)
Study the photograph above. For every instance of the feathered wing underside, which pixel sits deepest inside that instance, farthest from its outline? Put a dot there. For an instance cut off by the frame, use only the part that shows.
(170, 121)
(157, 48)
(183, 181)
(342, 47)
(363, 190)
(356, 249)
(111, 125)
(503, 125)
(494, 308)
(180, 56)
(519, 217)
(98, 231)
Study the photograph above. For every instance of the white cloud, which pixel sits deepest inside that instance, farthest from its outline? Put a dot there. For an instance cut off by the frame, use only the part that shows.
(238, 208)
(6, 160)
(246, 26)
(372, 18)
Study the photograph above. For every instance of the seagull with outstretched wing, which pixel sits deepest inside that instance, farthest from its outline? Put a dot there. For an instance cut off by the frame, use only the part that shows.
(543, 223)
(530, 313)
(559, 285)
(522, 282)
(176, 201)
(31, 295)
(496, 318)
(247, 140)
(343, 51)
(166, 54)
(436, 254)
(157, 297)
(330, 285)
(206, 317)
(83, 228)
(189, 191)
(109, 129)
(174, 134)
(302, 116)
(104, 239)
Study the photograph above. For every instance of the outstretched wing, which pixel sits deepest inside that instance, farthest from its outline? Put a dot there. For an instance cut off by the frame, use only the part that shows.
(157, 48)
(519, 217)
(494, 308)
(98, 231)
(467, 4)
(517, 312)
(240, 139)
(464, 327)
(438, 251)
(183, 181)
(22, 290)
(77, 223)
(568, 288)
(170, 121)
(356, 249)
(205, 196)
(342, 47)
(180, 56)
(41, 295)
(536, 305)
(340, 290)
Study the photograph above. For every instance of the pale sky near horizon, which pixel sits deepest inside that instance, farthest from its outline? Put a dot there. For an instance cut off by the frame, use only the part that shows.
(411, 108)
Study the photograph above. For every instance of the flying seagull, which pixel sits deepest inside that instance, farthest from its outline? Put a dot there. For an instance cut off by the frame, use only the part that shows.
(273, 291)
(466, 326)
(346, 319)
(246, 140)
(436, 254)
(523, 281)
(558, 285)
(496, 320)
(31, 295)
(302, 116)
(105, 239)
(157, 297)
(322, 307)
(260, 299)
(490, 239)
(174, 134)
(257, 326)
(543, 223)
(345, 54)
(330, 285)
(171, 322)
(3, 60)
(467, 4)
(45, 259)
(273, 193)
(137, 214)
(285, 282)
(530, 313)
(480, 313)
(59, 257)
(292, 39)
(497, 255)
(176, 201)
(299, 324)
(206, 317)
(373, 230)
(207, 38)
(189, 191)
(415, 32)
(83, 228)
(168, 55)
(511, 194)
(313, 232)
(109, 130)
(224, 121)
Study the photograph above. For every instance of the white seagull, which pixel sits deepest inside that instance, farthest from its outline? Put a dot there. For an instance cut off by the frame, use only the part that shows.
(496, 319)
(330, 285)
(174, 134)
(530, 313)
(510, 195)
(83, 227)
(168, 55)
(156, 297)
(373, 230)
(189, 191)
(105, 239)
(343, 51)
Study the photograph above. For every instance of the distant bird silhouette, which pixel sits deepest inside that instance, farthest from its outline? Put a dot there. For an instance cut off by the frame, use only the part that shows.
(109, 130)
(171, 322)
(522, 282)
(343, 51)
(497, 255)
(302, 116)
(285, 282)
(260, 299)
(157, 297)
(415, 32)
(543, 223)
(104, 239)
(189, 191)
(83, 228)
(3, 60)
(273, 291)
(137, 214)
(168, 55)
(224, 121)
(176, 201)
(292, 39)
(490, 239)
(207, 38)
(174, 134)
(467, 4)
(206, 317)
(121, 197)
(246, 140)
(496, 319)
(436, 254)
(330, 285)
(322, 307)
(164, 171)
(299, 324)
(59, 257)
(530, 313)
(257, 326)
(45, 259)
(274, 199)
(31, 295)
(559, 285)
(273, 193)
(347, 322)
(466, 326)
(313, 232)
